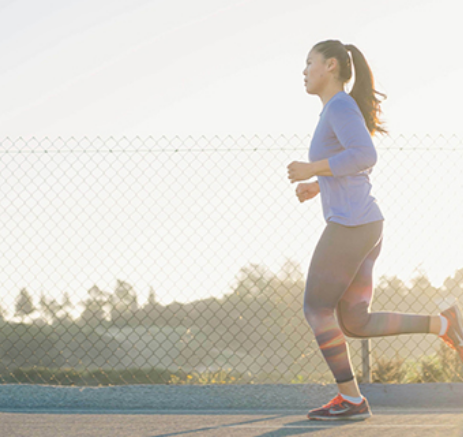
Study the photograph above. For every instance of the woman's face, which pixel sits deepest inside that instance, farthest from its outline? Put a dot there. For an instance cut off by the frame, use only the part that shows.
(316, 72)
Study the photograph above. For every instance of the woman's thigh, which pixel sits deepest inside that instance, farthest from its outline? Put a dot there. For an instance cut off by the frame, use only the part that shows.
(337, 258)
(361, 287)
(353, 307)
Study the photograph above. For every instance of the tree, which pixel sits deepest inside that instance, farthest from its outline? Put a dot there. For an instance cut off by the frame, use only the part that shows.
(253, 281)
(63, 316)
(392, 283)
(421, 285)
(49, 307)
(94, 313)
(67, 303)
(123, 303)
(291, 272)
(454, 284)
(24, 305)
(151, 298)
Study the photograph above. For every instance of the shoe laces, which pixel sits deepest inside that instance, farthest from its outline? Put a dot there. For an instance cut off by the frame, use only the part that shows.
(335, 401)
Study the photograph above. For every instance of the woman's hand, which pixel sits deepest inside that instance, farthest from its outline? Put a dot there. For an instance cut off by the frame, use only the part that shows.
(307, 191)
(300, 171)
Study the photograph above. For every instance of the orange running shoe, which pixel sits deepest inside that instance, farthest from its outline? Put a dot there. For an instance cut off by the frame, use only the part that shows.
(453, 336)
(341, 409)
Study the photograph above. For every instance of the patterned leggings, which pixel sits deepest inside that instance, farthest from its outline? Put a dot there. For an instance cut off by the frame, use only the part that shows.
(341, 277)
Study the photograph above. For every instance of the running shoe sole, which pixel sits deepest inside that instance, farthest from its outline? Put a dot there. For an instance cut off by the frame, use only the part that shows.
(453, 337)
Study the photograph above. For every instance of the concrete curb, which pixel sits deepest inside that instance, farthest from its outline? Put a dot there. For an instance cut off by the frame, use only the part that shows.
(222, 397)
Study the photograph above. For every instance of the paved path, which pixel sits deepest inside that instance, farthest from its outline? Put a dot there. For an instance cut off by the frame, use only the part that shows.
(222, 397)
(385, 422)
(274, 410)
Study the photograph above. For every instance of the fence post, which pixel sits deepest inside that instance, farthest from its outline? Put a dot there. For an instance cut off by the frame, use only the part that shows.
(366, 368)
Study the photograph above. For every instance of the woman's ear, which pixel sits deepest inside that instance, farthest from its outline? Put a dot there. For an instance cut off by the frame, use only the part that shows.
(331, 64)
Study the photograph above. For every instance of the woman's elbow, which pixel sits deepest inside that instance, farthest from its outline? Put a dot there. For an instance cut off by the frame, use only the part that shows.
(370, 158)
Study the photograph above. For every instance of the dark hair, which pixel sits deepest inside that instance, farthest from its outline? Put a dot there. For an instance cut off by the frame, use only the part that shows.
(363, 90)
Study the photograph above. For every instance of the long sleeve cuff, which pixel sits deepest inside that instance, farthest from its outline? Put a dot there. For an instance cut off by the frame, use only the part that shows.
(352, 161)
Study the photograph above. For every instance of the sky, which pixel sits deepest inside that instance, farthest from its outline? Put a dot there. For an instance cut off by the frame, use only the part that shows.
(161, 69)
(139, 68)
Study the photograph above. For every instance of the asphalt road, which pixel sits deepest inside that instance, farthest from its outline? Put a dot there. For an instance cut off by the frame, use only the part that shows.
(431, 409)
(385, 422)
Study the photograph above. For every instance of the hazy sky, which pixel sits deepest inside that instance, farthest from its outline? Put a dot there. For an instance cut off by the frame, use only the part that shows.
(183, 223)
(140, 67)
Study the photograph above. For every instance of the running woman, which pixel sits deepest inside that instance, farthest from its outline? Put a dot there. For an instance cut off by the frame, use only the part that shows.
(341, 156)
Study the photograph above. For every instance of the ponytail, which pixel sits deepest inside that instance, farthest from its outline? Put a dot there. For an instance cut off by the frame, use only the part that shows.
(363, 91)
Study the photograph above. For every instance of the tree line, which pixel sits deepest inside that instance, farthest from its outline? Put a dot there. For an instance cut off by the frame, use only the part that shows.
(255, 285)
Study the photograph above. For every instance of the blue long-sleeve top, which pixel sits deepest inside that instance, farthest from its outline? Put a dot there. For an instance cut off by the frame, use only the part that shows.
(342, 137)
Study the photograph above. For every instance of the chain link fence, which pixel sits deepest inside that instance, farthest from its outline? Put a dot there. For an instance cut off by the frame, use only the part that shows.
(183, 260)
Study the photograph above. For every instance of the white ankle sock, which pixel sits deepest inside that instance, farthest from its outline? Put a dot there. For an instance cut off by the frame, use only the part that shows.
(443, 325)
(352, 399)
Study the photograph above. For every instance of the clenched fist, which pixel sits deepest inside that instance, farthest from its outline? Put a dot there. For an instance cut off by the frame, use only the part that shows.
(300, 171)
(307, 191)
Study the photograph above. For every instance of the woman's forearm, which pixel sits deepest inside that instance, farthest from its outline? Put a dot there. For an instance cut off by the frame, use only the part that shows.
(322, 168)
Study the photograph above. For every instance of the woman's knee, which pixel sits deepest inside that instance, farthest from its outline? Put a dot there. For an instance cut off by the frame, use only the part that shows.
(353, 319)
(348, 333)
(316, 316)
(312, 306)
(320, 299)
(309, 313)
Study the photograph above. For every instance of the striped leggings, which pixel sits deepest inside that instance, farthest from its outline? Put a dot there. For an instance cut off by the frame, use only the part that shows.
(340, 278)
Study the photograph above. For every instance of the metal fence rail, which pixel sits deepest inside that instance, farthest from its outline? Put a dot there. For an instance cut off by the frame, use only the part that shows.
(183, 260)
